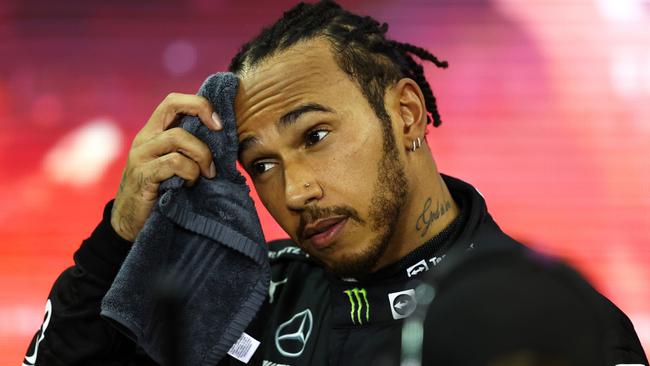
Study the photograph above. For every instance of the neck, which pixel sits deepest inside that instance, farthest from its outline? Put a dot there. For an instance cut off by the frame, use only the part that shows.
(429, 210)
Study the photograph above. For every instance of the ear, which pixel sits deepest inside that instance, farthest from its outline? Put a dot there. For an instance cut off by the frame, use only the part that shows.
(412, 112)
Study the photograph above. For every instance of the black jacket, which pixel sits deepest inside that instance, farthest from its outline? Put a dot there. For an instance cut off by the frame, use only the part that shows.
(469, 296)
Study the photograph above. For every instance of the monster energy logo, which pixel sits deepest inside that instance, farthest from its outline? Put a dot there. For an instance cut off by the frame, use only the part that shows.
(358, 298)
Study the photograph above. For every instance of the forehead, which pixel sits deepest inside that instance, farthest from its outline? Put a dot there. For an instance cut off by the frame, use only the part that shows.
(304, 73)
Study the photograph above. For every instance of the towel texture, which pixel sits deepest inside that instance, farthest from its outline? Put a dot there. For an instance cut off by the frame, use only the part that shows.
(198, 271)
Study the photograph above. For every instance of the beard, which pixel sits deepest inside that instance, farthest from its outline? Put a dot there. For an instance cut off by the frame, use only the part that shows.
(389, 197)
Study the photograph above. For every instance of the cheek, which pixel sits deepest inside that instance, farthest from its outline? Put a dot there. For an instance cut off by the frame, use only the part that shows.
(348, 171)
(273, 200)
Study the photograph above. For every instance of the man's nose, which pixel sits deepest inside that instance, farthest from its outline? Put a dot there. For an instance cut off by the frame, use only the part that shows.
(301, 188)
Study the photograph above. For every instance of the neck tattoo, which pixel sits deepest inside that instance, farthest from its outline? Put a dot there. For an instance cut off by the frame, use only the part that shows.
(428, 216)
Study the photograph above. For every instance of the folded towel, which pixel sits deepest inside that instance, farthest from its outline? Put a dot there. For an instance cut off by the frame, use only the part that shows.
(198, 271)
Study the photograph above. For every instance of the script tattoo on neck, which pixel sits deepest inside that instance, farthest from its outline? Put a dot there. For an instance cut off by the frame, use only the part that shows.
(428, 215)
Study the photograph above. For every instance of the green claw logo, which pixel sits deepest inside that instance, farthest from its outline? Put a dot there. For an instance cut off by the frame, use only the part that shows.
(358, 298)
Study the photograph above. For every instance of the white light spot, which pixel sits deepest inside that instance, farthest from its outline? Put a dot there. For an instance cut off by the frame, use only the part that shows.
(646, 72)
(179, 57)
(81, 157)
(625, 72)
(20, 320)
(623, 11)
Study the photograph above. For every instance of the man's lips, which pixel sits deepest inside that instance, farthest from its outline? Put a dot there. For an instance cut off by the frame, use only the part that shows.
(323, 232)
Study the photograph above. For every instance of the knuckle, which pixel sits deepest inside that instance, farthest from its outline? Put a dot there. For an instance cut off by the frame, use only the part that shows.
(169, 102)
(175, 161)
(177, 132)
(170, 97)
(173, 136)
(205, 103)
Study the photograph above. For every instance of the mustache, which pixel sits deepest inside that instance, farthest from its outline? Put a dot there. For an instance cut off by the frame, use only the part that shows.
(313, 213)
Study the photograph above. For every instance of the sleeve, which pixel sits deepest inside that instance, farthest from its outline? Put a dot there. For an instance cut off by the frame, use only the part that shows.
(73, 333)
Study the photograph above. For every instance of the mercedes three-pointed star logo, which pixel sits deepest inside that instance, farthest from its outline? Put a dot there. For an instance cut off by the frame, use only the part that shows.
(292, 335)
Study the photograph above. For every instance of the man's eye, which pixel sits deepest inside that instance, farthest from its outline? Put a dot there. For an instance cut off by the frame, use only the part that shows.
(313, 137)
(262, 167)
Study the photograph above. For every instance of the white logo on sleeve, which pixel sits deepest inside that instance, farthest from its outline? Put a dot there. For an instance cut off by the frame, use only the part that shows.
(292, 335)
(31, 360)
(270, 363)
(402, 304)
(418, 267)
(274, 286)
(423, 266)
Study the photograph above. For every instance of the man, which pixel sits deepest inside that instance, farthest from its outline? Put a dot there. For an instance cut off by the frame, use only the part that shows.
(331, 121)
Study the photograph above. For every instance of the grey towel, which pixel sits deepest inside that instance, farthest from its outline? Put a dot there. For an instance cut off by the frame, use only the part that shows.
(198, 271)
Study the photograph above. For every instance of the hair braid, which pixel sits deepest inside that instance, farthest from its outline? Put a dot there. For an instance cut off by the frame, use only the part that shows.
(360, 48)
(416, 72)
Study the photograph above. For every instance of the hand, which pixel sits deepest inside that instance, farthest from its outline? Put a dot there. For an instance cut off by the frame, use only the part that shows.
(157, 153)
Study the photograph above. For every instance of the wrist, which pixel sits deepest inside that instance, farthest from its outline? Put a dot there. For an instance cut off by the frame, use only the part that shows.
(120, 226)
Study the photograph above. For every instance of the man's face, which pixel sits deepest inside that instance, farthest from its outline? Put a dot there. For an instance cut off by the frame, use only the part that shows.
(323, 164)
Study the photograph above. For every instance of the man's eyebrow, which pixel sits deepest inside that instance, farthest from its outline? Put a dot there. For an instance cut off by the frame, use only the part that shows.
(246, 144)
(284, 121)
(291, 116)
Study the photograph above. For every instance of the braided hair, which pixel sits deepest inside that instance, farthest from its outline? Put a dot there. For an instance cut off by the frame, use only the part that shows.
(359, 46)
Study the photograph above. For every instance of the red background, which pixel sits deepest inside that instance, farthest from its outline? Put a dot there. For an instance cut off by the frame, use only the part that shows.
(545, 109)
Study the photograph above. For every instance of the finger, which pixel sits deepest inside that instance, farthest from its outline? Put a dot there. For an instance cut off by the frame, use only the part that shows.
(167, 166)
(179, 140)
(176, 104)
(189, 104)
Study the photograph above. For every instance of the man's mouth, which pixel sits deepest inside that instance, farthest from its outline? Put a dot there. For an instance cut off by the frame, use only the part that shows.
(322, 233)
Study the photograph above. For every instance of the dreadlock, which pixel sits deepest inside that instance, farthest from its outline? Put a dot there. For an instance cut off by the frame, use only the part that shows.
(353, 38)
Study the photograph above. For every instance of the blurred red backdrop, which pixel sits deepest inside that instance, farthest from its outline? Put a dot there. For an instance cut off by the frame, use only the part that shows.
(545, 109)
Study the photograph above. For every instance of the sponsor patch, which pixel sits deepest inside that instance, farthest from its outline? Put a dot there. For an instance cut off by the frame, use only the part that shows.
(359, 305)
(402, 303)
(292, 336)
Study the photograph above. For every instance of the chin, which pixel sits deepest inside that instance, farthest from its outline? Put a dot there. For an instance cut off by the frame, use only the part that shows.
(353, 263)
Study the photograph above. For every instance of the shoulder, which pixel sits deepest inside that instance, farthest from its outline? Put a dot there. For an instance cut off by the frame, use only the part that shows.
(528, 298)
(537, 280)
